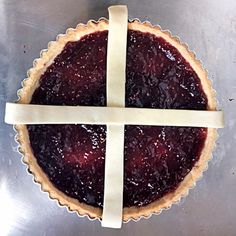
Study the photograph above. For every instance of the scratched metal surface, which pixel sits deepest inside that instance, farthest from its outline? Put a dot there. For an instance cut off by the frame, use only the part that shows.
(209, 27)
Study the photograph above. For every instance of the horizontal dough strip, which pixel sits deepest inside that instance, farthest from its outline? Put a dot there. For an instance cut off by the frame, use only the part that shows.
(48, 114)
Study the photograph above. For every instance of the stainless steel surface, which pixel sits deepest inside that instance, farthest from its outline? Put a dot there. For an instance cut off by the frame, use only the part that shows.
(208, 26)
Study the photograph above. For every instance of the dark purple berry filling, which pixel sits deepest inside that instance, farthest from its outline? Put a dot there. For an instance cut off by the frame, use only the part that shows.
(156, 158)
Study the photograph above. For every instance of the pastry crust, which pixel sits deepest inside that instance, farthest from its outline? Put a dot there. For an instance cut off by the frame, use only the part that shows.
(31, 83)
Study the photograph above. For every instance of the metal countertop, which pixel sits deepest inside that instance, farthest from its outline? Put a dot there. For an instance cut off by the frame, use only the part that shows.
(209, 28)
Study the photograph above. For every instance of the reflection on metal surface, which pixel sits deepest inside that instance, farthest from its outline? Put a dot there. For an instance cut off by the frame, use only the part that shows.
(10, 210)
(7, 216)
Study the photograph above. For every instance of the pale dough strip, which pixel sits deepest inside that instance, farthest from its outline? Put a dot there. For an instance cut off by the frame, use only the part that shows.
(45, 114)
(114, 172)
(114, 161)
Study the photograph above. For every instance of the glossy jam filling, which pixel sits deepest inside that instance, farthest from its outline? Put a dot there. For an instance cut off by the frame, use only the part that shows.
(156, 158)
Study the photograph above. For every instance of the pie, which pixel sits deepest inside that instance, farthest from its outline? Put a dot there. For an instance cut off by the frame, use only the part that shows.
(161, 162)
